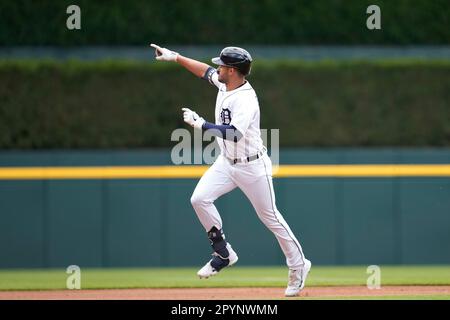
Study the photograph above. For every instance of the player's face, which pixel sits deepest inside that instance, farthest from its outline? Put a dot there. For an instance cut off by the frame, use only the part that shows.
(224, 73)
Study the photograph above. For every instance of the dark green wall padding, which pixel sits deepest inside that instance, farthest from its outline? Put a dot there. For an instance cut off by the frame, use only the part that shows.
(137, 223)
(120, 104)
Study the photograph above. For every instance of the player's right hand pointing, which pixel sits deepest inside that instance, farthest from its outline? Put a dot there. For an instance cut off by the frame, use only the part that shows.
(164, 54)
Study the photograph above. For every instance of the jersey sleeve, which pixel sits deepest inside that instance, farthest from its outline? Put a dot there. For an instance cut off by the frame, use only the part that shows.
(243, 113)
(212, 77)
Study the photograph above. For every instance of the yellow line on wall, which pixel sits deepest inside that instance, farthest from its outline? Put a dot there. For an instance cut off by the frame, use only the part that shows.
(362, 170)
(180, 172)
(117, 172)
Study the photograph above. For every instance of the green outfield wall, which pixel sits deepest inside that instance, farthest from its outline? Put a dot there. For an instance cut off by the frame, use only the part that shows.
(123, 104)
(150, 222)
(318, 22)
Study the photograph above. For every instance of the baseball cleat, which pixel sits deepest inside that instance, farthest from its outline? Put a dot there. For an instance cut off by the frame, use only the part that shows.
(297, 279)
(208, 270)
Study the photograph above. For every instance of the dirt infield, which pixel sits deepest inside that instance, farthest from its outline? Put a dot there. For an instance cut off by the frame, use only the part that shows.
(220, 293)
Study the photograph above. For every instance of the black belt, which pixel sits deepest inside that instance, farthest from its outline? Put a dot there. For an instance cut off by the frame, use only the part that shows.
(250, 158)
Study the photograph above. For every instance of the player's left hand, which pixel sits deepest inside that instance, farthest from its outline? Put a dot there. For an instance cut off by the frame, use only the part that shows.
(192, 118)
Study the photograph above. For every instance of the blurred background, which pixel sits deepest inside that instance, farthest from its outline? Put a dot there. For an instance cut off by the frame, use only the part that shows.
(339, 92)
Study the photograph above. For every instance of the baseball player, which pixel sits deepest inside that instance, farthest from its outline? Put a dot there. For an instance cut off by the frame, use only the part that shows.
(243, 161)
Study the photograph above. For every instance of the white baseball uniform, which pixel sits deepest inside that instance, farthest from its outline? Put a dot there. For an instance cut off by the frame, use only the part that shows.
(240, 108)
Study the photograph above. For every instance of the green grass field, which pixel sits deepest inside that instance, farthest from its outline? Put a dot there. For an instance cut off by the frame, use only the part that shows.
(233, 277)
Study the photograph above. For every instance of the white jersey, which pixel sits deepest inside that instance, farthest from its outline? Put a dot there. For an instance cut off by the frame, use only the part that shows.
(238, 108)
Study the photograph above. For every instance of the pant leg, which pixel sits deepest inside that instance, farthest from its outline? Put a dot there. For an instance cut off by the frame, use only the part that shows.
(255, 180)
(214, 183)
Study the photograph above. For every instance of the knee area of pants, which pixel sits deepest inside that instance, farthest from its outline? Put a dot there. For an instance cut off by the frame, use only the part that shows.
(197, 200)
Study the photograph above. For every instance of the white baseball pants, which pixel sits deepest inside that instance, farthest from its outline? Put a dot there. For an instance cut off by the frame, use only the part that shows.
(255, 180)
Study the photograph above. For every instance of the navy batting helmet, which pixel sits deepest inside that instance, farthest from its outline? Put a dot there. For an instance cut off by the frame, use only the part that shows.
(235, 57)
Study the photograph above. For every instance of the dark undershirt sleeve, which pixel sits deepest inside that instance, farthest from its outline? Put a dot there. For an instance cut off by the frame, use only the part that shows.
(224, 131)
(208, 74)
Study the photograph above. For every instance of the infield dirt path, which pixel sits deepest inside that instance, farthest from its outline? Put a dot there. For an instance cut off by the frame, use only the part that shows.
(219, 293)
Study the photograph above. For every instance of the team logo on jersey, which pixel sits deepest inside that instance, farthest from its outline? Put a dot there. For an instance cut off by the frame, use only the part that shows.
(225, 116)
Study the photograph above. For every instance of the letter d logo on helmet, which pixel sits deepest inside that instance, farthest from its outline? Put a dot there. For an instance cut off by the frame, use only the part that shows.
(235, 57)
